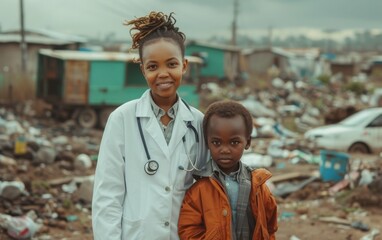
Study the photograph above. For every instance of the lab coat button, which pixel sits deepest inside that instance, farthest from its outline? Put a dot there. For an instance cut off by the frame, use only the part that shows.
(167, 189)
(224, 212)
(166, 224)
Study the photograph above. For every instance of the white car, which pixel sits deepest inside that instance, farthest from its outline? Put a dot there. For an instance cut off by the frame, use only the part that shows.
(360, 132)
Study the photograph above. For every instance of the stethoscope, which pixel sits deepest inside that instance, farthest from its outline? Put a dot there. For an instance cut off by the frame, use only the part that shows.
(152, 166)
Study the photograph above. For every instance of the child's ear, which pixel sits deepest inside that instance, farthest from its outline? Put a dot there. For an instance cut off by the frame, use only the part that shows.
(248, 143)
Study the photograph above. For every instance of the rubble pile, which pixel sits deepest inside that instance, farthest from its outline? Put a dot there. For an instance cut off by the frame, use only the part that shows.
(46, 177)
(47, 167)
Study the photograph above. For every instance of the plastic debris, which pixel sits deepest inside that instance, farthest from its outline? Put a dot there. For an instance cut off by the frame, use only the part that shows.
(257, 160)
(19, 227)
(82, 162)
(371, 235)
(12, 190)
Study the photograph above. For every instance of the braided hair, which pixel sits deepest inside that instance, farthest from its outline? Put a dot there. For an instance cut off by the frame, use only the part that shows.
(154, 26)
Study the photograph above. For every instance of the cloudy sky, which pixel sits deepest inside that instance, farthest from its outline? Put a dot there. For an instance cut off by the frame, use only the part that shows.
(199, 19)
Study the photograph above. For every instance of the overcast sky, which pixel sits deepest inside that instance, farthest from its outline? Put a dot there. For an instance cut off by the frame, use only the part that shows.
(199, 19)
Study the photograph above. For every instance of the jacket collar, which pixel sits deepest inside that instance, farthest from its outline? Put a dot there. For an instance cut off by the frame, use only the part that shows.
(258, 176)
(212, 169)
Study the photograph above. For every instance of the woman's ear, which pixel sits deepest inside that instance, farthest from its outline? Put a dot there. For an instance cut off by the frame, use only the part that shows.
(185, 65)
(248, 143)
(141, 67)
(142, 70)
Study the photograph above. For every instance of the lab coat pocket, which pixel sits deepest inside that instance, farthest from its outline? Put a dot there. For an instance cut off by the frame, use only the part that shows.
(131, 229)
(184, 177)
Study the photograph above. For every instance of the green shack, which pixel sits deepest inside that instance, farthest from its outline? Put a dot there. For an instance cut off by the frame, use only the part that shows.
(220, 61)
(87, 86)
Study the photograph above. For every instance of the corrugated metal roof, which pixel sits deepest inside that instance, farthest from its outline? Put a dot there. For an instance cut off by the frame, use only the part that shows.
(16, 38)
(215, 46)
(275, 50)
(99, 56)
(79, 55)
(49, 34)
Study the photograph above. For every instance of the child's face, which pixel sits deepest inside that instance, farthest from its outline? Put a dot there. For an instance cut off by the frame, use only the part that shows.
(163, 67)
(227, 140)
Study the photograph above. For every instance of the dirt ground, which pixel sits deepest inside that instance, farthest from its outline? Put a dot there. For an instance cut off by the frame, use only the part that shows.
(299, 212)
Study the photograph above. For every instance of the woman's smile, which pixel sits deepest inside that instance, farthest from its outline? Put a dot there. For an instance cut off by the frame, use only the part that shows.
(165, 85)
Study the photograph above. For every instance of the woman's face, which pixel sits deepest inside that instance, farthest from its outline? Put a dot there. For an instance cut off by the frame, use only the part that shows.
(163, 67)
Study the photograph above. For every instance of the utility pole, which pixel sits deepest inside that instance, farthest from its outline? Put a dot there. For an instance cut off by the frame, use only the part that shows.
(234, 22)
(270, 33)
(23, 44)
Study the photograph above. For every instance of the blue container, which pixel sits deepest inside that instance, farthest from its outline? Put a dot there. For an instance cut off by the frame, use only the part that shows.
(333, 165)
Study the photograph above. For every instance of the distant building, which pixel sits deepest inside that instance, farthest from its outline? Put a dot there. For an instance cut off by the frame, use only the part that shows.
(11, 83)
(220, 61)
(287, 64)
(375, 64)
(346, 69)
(259, 61)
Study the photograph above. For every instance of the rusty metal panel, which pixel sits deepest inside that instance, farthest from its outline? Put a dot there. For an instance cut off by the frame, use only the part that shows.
(76, 82)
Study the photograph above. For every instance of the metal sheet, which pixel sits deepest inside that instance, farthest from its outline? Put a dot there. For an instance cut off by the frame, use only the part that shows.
(76, 82)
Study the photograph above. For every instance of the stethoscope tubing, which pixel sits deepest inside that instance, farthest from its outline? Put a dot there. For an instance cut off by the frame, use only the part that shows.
(151, 171)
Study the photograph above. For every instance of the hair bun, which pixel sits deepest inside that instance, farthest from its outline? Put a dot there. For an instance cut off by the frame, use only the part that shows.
(155, 21)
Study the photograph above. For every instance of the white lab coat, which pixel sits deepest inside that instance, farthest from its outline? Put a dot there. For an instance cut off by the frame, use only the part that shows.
(127, 202)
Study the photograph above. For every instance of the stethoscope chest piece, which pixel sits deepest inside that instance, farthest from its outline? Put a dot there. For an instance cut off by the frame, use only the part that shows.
(151, 167)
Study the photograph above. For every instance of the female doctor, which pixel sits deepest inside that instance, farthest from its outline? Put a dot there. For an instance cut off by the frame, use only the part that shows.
(150, 146)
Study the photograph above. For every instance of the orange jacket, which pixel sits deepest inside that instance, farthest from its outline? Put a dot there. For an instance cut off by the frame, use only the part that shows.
(206, 212)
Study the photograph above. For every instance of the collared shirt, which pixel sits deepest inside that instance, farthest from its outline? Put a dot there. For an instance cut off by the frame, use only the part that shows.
(237, 187)
(159, 113)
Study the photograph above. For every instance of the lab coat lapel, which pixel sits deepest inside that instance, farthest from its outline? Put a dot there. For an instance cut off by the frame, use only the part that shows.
(151, 128)
(180, 129)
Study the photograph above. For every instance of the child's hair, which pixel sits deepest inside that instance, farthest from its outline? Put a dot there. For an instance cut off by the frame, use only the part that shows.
(154, 26)
(228, 109)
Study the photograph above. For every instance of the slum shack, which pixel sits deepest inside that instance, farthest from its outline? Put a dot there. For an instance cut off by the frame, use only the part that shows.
(87, 86)
(220, 61)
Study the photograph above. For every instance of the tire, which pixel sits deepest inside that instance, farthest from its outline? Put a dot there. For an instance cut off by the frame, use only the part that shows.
(87, 118)
(359, 148)
(103, 116)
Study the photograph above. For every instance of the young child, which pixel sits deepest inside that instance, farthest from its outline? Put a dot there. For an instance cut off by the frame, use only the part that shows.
(150, 145)
(229, 200)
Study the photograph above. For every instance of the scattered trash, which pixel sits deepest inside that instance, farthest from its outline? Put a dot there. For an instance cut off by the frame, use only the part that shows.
(257, 160)
(349, 178)
(7, 161)
(19, 227)
(285, 188)
(334, 165)
(82, 162)
(69, 188)
(355, 224)
(12, 190)
(366, 177)
(46, 155)
(276, 150)
(374, 232)
(293, 237)
(71, 218)
(20, 145)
